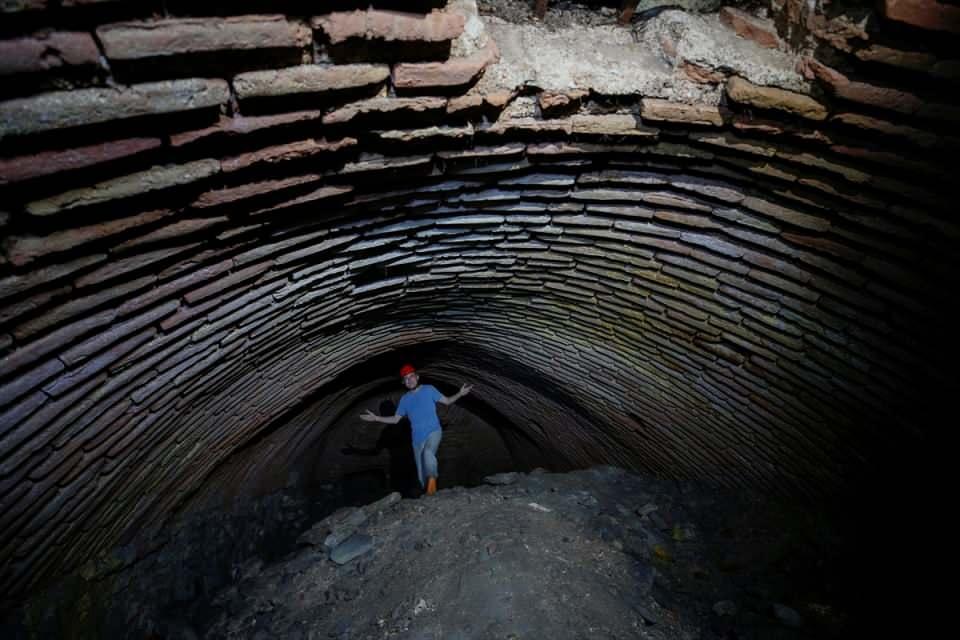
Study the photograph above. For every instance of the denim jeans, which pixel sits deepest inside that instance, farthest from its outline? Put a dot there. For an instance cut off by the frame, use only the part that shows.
(426, 457)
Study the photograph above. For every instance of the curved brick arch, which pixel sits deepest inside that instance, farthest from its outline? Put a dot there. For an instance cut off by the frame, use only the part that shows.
(714, 278)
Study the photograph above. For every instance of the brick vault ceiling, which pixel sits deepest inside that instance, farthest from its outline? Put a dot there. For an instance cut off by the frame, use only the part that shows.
(733, 269)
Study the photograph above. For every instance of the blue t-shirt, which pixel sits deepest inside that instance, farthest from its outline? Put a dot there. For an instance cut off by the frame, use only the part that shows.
(420, 405)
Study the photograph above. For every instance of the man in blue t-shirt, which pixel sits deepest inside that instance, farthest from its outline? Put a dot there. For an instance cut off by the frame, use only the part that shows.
(419, 404)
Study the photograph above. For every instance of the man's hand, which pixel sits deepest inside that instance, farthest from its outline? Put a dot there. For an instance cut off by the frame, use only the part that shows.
(368, 416)
(464, 390)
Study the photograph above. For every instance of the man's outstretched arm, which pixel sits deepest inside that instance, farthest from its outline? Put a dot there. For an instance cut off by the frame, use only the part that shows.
(370, 416)
(464, 390)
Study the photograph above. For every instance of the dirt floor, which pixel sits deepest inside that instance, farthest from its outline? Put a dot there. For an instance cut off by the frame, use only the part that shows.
(598, 553)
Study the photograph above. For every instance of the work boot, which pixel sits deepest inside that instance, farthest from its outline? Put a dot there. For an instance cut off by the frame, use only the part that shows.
(431, 486)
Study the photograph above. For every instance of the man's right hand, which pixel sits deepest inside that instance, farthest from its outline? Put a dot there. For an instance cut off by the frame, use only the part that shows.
(368, 416)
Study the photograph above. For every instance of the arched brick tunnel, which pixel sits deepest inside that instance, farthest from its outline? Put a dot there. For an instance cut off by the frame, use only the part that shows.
(701, 245)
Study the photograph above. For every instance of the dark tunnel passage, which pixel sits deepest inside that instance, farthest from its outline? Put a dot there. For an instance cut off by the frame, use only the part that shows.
(701, 243)
(479, 441)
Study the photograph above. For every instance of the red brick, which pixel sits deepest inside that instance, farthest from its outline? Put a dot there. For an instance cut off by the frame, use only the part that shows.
(785, 214)
(175, 230)
(308, 78)
(499, 99)
(878, 96)
(744, 91)
(201, 257)
(235, 194)
(666, 111)
(116, 332)
(864, 93)
(391, 26)
(78, 305)
(559, 104)
(701, 74)
(154, 179)
(25, 382)
(79, 107)
(465, 104)
(118, 267)
(50, 162)
(757, 125)
(823, 244)
(58, 339)
(136, 40)
(839, 31)
(400, 164)
(550, 149)
(926, 14)
(474, 101)
(611, 124)
(241, 125)
(225, 282)
(168, 289)
(918, 136)
(750, 27)
(43, 425)
(72, 377)
(315, 196)
(373, 107)
(913, 60)
(811, 69)
(23, 250)
(44, 53)
(13, 6)
(291, 151)
(452, 73)
(427, 134)
(17, 285)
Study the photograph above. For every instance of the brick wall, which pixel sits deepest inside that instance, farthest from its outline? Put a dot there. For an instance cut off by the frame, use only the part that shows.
(210, 213)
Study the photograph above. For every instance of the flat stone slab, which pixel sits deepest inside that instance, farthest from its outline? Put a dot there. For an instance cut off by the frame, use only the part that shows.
(135, 40)
(47, 52)
(62, 109)
(391, 26)
(351, 548)
(745, 92)
(308, 78)
(343, 529)
(153, 179)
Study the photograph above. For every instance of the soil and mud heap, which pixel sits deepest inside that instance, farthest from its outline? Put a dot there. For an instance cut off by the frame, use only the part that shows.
(598, 553)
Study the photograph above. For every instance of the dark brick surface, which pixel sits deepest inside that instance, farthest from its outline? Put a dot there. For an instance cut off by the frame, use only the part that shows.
(135, 40)
(765, 279)
(59, 110)
(47, 52)
(52, 162)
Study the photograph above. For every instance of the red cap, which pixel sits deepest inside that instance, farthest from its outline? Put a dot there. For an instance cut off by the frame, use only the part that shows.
(406, 370)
